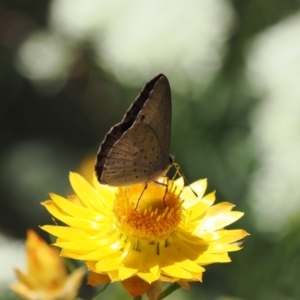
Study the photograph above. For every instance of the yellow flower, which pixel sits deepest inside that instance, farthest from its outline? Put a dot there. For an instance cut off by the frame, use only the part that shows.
(47, 278)
(167, 234)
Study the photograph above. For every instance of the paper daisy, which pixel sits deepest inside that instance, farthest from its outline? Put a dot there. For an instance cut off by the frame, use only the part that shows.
(142, 236)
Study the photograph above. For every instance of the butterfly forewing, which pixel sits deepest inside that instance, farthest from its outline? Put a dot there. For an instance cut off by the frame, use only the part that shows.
(158, 108)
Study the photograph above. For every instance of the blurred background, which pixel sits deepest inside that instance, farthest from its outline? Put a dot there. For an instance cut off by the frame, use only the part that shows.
(70, 69)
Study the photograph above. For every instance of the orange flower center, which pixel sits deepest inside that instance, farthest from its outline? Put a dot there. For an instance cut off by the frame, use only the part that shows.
(149, 211)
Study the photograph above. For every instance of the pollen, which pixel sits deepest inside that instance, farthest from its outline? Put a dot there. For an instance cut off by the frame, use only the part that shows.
(151, 212)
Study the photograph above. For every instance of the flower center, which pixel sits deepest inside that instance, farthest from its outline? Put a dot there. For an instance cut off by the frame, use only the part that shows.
(151, 211)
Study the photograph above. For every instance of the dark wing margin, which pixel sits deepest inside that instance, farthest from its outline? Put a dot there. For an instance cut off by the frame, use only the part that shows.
(116, 132)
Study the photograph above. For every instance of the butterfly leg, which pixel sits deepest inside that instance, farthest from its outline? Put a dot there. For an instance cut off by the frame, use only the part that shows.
(137, 204)
(166, 191)
(165, 185)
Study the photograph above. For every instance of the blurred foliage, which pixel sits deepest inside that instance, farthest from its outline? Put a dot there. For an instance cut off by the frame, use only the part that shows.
(44, 136)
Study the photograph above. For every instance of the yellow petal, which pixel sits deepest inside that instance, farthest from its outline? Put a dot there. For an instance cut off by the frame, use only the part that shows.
(197, 210)
(54, 210)
(219, 247)
(109, 263)
(87, 194)
(174, 270)
(209, 258)
(148, 277)
(224, 236)
(188, 194)
(218, 221)
(74, 210)
(68, 233)
(230, 236)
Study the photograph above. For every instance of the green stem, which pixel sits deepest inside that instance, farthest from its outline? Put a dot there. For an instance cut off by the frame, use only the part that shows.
(170, 289)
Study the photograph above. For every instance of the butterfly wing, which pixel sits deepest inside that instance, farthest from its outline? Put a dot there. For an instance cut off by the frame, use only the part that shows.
(157, 114)
(132, 160)
(137, 149)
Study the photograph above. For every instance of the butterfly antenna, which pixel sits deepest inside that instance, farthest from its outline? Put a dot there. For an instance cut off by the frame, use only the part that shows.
(180, 173)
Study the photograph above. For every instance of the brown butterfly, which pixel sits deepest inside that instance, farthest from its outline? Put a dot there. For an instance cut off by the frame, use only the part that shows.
(137, 149)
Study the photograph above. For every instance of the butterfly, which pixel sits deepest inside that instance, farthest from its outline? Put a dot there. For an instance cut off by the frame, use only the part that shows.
(137, 149)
